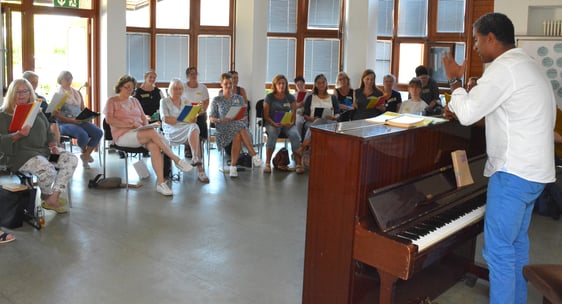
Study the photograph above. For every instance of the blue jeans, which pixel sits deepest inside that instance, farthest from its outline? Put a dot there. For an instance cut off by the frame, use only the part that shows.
(273, 134)
(87, 134)
(510, 201)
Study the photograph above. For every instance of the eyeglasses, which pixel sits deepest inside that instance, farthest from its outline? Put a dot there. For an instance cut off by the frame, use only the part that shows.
(22, 92)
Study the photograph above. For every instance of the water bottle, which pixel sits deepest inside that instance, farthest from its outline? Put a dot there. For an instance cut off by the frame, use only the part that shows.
(40, 216)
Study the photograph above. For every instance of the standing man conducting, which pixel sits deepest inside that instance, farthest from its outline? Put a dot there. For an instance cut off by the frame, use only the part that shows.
(519, 143)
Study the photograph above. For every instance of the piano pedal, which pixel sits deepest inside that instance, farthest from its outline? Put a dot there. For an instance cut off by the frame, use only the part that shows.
(470, 279)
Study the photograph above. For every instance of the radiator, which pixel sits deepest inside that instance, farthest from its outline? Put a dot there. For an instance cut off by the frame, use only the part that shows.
(552, 28)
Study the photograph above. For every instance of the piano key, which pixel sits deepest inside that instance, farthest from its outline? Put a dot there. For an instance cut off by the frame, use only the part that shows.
(451, 227)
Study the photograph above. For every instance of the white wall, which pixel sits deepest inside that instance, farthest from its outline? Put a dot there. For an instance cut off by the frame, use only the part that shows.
(251, 47)
(113, 47)
(359, 44)
(519, 11)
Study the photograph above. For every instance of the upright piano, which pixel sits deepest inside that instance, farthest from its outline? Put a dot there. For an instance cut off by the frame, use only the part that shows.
(376, 200)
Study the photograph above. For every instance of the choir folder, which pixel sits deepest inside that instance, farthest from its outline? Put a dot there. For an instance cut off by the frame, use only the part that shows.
(24, 115)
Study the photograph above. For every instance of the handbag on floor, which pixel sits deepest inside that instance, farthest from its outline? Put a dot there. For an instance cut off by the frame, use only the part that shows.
(17, 206)
(281, 160)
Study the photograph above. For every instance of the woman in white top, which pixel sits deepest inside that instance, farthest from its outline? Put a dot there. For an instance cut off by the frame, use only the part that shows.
(180, 132)
(194, 91)
(320, 99)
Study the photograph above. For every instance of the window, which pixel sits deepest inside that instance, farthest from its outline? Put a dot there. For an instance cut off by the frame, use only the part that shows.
(385, 20)
(186, 33)
(324, 14)
(172, 14)
(138, 54)
(304, 38)
(214, 56)
(411, 56)
(421, 31)
(412, 18)
(450, 16)
(321, 57)
(172, 52)
(215, 13)
(280, 57)
(282, 16)
(138, 14)
(382, 63)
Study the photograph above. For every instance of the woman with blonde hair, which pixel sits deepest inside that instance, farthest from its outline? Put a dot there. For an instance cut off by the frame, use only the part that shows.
(280, 100)
(180, 132)
(344, 94)
(149, 95)
(88, 134)
(34, 148)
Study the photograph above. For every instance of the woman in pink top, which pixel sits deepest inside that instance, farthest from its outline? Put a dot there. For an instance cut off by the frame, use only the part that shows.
(124, 114)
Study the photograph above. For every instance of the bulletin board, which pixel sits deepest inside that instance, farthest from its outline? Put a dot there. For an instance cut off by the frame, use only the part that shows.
(547, 51)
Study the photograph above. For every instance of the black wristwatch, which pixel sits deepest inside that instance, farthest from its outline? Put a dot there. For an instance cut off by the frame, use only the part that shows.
(453, 81)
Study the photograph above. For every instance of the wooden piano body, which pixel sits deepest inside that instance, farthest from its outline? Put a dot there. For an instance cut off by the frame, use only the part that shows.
(349, 161)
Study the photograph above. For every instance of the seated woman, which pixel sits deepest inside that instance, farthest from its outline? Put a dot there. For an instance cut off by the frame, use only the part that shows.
(124, 114)
(149, 96)
(363, 96)
(87, 133)
(179, 132)
(280, 100)
(32, 148)
(344, 94)
(319, 101)
(229, 130)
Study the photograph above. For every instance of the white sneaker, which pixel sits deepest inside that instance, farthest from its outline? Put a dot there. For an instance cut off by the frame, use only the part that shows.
(256, 160)
(164, 189)
(184, 166)
(233, 171)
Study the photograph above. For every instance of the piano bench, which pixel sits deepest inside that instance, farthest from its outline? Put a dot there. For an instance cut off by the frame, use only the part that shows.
(547, 279)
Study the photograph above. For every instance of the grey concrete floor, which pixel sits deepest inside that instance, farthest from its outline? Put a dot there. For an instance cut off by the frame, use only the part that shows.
(229, 241)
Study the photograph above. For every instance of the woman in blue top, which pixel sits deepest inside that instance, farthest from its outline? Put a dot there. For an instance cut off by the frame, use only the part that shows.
(229, 130)
(280, 100)
(87, 134)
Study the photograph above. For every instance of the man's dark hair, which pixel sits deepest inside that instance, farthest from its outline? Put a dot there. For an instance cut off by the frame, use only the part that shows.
(498, 24)
(421, 70)
(299, 78)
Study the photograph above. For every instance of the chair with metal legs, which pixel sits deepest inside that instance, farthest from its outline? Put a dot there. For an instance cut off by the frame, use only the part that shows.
(124, 152)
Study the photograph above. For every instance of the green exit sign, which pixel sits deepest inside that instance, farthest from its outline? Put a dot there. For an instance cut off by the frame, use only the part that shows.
(67, 3)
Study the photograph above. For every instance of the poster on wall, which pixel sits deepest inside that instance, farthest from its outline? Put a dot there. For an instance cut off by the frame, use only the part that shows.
(547, 51)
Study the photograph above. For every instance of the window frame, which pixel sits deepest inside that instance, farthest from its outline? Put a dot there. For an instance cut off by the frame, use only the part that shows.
(433, 38)
(193, 32)
(303, 32)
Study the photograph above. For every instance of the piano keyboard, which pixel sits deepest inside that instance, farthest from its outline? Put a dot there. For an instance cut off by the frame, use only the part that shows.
(443, 225)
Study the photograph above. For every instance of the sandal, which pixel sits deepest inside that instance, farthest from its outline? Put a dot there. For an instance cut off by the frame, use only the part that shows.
(300, 169)
(58, 210)
(267, 169)
(4, 237)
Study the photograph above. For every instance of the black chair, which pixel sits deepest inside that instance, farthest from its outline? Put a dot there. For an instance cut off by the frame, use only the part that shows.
(123, 151)
(259, 128)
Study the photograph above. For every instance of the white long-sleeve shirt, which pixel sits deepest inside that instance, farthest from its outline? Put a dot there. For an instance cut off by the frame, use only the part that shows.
(518, 104)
